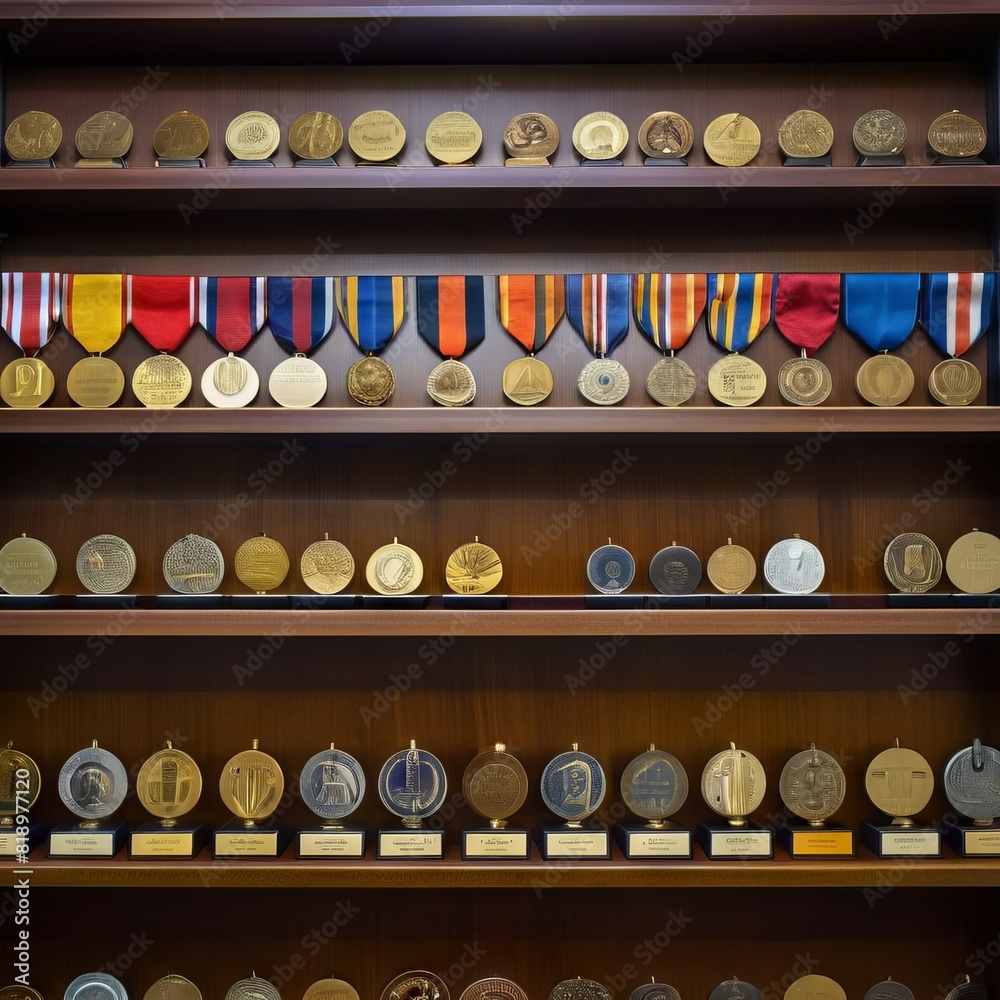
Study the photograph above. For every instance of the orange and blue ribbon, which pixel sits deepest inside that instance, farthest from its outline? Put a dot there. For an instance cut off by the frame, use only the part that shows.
(739, 307)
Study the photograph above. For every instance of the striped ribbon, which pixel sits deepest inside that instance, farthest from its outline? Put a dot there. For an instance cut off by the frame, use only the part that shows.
(30, 305)
(371, 307)
(739, 307)
(955, 308)
(232, 310)
(597, 307)
(300, 312)
(451, 312)
(530, 306)
(667, 307)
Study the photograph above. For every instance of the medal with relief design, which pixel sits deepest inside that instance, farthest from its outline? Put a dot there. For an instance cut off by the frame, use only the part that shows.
(530, 140)
(103, 140)
(732, 140)
(879, 133)
(731, 568)
(531, 306)
(493, 989)
(92, 784)
(376, 137)
(666, 135)
(812, 785)
(94, 311)
(253, 988)
(579, 989)
(610, 569)
(597, 307)
(416, 985)
(473, 568)
(261, 563)
(794, 566)
(193, 565)
(654, 786)
(412, 785)
(806, 307)
(253, 135)
(105, 564)
(394, 569)
(675, 570)
(27, 566)
(739, 307)
(331, 989)
(327, 566)
(733, 784)
(181, 136)
(172, 987)
(899, 781)
(169, 784)
(232, 311)
(300, 314)
(30, 306)
(372, 308)
(20, 993)
(805, 134)
(972, 783)
(573, 785)
(95, 986)
(454, 138)
(956, 136)
(316, 135)
(451, 317)
(600, 136)
(251, 785)
(34, 135)
(20, 783)
(333, 785)
(912, 563)
(495, 785)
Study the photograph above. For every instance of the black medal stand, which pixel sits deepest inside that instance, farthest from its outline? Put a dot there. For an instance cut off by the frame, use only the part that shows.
(13, 839)
(326, 161)
(732, 602)
(238, 163)
(870, 160)
(722, 842)
(384, 602)
(73, 840)
(28, 602)
(153, 840)
(181, 161)
(404, 844)
(797, 602)
(614, 602)
(810, 843)
(507, 843)
(976, 600)
(886, 840)
(474, 602)
(236, 840)
(190, 602)
(39, 164)
(612, 162)
(918, 600)
(376, 163)
(325, 602)
(259, 602)
(559, 842)
(671, 602)
(642, 842)
(970, 841)
(665, 161)
(104, 602)
(957, 161)
(809, 161)
(332, 843)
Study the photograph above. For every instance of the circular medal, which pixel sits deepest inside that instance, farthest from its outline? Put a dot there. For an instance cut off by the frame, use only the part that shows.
(889, 990)
(794, 566)
(394, 570)
(172, 987)
(968, 991)
(106, 135)
(495, 785)
(804, 381)
(417, 985)
(814, 987)
(169, 784)
(600, 136)
(316, 135)
(27, 382)
(332, 784)
(370, 381)
(654, 785)
(35, 135)
(376, 136)
(671, 382)
(954, 382)
(899, 781)
(527, 381)
(736, 380)
(879, 133)
(27, 566)
(731, 568)
(884, 380)
(654, 991)
(193, 565)
(805, 133)
(261, 563)
(161, 382)
(603, 381)
(453, 137)
(20, 783)
(610, 569)
(331, 989)
(973, 563)
(451, 383)
(912, 563)
(412, 785)
(666, 135)
(105, 564)
(532, 135)
(253, 988)
(327, 566)
(20, 993)
(573, 785)
(473, 568)
(181, 136)
(733, 784)
(251, 785)
(253, 135)
(578, 989)
(230, 382)
(92, 783)
(972, 783)
(298, 382)
(95, 986)
(493, 989)
(812, 785)
(957, 135)
(735, 989)
(675, 570)
(732, 140)
(95, 382)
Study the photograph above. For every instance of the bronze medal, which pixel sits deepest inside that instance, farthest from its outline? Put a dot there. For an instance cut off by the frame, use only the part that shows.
(394, 570)
(27, 566)
(297, 383)
(954, 382)
(495, 785)
(912, 563)
(736, 380)
(371, 381)
(95, 382)
(161, 382)
(261, 563)
(172, 987)
(473, 568)
(671, 381)
(181, 136)
(451, 383)
(316, 135)
(731, 568)
(666, 135)
(327, 566)
(35, 135)
(230, 382)
(879, 133)
(27, 382)
(527, 381)
(603, 381)
(104, 136)
(956, 135)
(732, 140)
(805, 133)
(530, 140)
(417, 985)
(805, 381)
(885, 380)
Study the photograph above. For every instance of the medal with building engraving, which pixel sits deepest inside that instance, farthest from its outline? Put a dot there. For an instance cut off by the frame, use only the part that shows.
(20, 993)
(20, 783)
(530, 140)
(733, 784)
(735, 989)
(92, 783)
(973, 562)
(412, 785)
(327, 566)
(95, 986)
(253, 135)
(794, 566)
(889, 990)
(253, 988)
(654, 786)
(181, 136)
(169, 784)
(732, 140)
(27, 566)
(812, 785)
(417, 985)
(610, 569)
(814, 987)
(261, 563)
(899, 781)
(394, 569)
(972, 783)
(173, 987)
(332, 784)
(376, 137)
(34, 135)
(193, 565)
(956, 135)
(251, 785)
(473, 568)
(161, 382)
(105, 564)
(912, 563)
(495, 785)
(573, 785)
(666, 135)
(579, 989)
(316, 135)
(600, 136)
(103, 138)
(731, 568)
(331, 989)
(453, 138)
(675, 570)
(493, 989)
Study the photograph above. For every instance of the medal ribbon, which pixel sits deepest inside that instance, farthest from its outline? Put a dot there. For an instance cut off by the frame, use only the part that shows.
(29, 307)
(300, 311)
(881, 309)
(806, 307)
(739, 307)
(597, 307)
(451, 312)
(232, 310)
(371, 307)
(530, 306)
(94, 309)
(955, 308)
(667, 307)
(162, 309)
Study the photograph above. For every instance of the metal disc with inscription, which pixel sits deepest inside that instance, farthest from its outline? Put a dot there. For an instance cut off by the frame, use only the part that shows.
(35, 135)
(805, 133)
(968, 991)
(95, 382)
(654, 991)
(15, 788)
(610, 569)
(105, 564)
(899, 781)
(371, 381)
(654, 785)
(230, 382)
(453, 137)
(732, 140)
(315, 135)
(173, 987)
(376, 136)
(879, 133)
(261, 563)
(972, 783)
(666, 135)
(737, 380)
(600, 136)
(451, 383)
(493, 989)
(735, 989)
(169, 784)
(331, 989)
(804, 381)
(182, 135)
(812, 785)
(253, 988)
(889, 990)
(473, 568)
(253, 135)
(327, 566)
(579, 989)
(161, 382)
(193, 565)
(573, 785)
(603, 381)
(527, 381)
(531, 136)
(412, 785)
(92, 783)
(106, 135)
(733, 784)
(495, 785)
(675, 569)
(251, 784)
(95, 986)
(815, 987)
(394, 569)
(20, 993)
(954, 382)
(731, 568)
(26, 383)
(973, 563)
(27, 566)
(417, 985)
(912, 562)
(884, 380)
(671, 381)
(332, 784)
(957, 135)
(297, 382)
(794, 566)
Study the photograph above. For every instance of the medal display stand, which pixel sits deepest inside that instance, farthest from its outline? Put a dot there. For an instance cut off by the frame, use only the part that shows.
(344, 842)
(403, 844)
(73, 839)
(957, 161)
(259, 602)
(610, 162)
(237, 840)
(969, 840)
(804, 841)
(991, 600)
(809, 161)
(190, 601)
(325, 161)
(654, 602)
(614, 602)
(722, 842)
(182, 840)
(643, 841)
(325, 602)
(181, 161)
(10, 841)
(104, 602)
(507, 843)
(886, 840)
(39, 164)
(732, 602)
(239, 164)
(474, 602)
(112, 162)
(403, 602)
(788, 602)
(918, 600)
(28, 602)
(561, 842)
(663, 161)
(887, 160)
(376, 163)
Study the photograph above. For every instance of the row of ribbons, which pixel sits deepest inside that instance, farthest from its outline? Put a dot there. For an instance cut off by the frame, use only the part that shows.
(881, 309)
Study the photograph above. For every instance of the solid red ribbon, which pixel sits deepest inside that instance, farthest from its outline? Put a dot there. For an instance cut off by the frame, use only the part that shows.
(162, 309)
(806, 307)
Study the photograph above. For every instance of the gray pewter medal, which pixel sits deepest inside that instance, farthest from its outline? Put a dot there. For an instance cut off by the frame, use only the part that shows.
(573, 785)
(654, 991)
(654, 786)
(92, 784)
(193, 565)
(253, 988)
(675, 570)
(889, 990)
(333, 785)
(610, 569)
(579, 989)
(972, 783)
(412, 784)
(812, 785)
(735, 989)
(95, 986)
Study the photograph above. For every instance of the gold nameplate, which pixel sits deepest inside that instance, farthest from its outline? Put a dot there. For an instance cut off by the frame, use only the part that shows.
(411, 844)
(162, 844)
(659, 844)
(495, 844)
(335, 844)
(576, 843)
(821, 843)
(86, 843)
(736, 843)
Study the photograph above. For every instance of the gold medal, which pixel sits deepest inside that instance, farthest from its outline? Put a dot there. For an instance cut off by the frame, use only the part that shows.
(161, 382)
(104, 136)
(451, 383)
(251, 785)
(376, 136)
(473, 568)
(331, 989)
(603, 381)
(804, 381)
(733, 784)
(316, 135)
(956, 135)
(805, 133)
(252, 135)
(527, 381)
(394, 569)
(453, 138)
(169, 784)
(95, 382)
(327, 566)
(666, 135)
(671, 381)
(230, 382)
(885, 380)
(261, 563)
(732, 140)
(27, 382)
(879, 133)
(495, 785)
(912, 563)
(600, 136)
(172, 987)
(27, 566)
(900, 782)
(814, 987)
(29, 785)
(105, 564)
(181, 136)
(954, 382)
(35, 135)
(736, 380)
(530, 140)
(973, 563)
(731, 568)
(298, 382)
(371, 381)
(20, 993)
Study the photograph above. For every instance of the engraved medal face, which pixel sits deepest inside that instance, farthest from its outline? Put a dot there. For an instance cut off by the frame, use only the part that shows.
(732, 140)
(182, 136)
(27, 566)
(899, 781)
(735, 989)
(253, 988)
(532, 136)
(251, 785)
(794, 566)
(973, 563)
(327, 566)
(737, 380)
(95, 383)
(733, 784)
(95, 986)
(161, 382)
(812, 785)
(654, 785)
(261, 564)
(105, 135)
(412, 785)
(889, 990)
(315, 135)
(573, 785)
(671, 382)
(815, 987)
(332, 784)
(35, 135)
(370, 381)
(473, 568)
(27, 383)
(884, 380)
(912, 563)
(331, 989)
(298, 382)
(105, 564)
(252, 135)
(654, 991)
(451, 383)
(376, 136)
(193, 565)
(20, 993)
(666, 135)
(954, 382)
(675, 570)
(20, 783)
(805, 133)
(493, 989)
(579, 989)
(394, 569)
(879, 133)
(610, 569)
(417, 985)
(230, 382)
(600, 136)
(527, 381)
(173, 987)
(453, 137)
(957, 135)
(603, 381)
(971, 782)
(92, 783)
(731, 568)
(805, 381)
(169, 783)
(495, 785)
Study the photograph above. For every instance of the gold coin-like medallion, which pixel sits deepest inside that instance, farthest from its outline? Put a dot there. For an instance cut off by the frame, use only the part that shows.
(394, 570)
(805, 133)
(261, 563)
(371, 381)
(105, 564)
(600, 136)
(29, 784)
(957, 135)
(27, 566)
(671, 382)
(733, 784)
(26, 383)
(297, 383)
(531, 138)
(879, 133)
(805, 381)
(495, 785)
(253, 135)
(173, 987)
(603, 381)
(161, 382)
(331, 989)
(815, 987)
(251, 786)
(451, 383)
(885, 380)
(473, 568)
(899, 781)
(527, 381)
(376, 136)
(35, 135)
(732, 140)
(169, 784)
(20, 993)
(315, 135)
(453, 137)
(736, 380)
(230, 382)
(666, 135)
(181, 136)
(105, 135)
(954, 382)
(95, 382)
(912, 563)
(327, 566)
(731, 568)
(973, 563)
